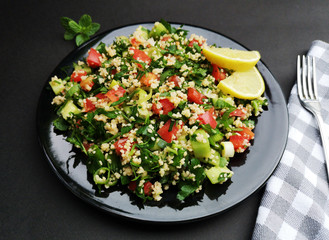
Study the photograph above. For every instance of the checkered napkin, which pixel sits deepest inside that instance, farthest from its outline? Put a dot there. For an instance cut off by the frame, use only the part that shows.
(295, 204)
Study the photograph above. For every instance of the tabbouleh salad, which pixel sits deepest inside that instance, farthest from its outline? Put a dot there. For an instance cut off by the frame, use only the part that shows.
(147, 113)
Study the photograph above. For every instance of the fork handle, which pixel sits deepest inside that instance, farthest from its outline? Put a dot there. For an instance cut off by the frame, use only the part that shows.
(324, 138)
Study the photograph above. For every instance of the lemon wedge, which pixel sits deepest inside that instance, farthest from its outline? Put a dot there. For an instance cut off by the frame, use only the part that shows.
(243, 84)
(237, 60)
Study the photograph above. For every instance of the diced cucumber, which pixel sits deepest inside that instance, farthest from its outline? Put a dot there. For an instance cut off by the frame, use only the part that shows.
(201, 147)
(57, 85)
(153, 52)
(127, 110)
(144, 33)
(69, 109)
(83, 67)
(123, 39)
(214, 158)
(228, 149)
(113, 83)
(218, 174)
(143, 96)
(182, 138)
(158, 30)
(144, 113)
(214, 100)
(217, 137)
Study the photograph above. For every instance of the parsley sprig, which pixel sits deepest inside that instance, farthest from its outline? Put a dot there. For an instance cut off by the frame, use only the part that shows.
(80, 31)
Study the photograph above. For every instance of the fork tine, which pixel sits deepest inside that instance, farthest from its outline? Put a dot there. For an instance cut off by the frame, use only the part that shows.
(309, 77)
(315, 88)
(304, 69)
(299, 78)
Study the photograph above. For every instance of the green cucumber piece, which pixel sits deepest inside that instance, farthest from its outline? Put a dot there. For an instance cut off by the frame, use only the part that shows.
(201, 149)
(69, 109)
(123, 39)
(214, 158)
(57, 85)
(144, 113)
(83, 67)
(153, 52)
(127, 110)
(218, 174)
(143, 96)
(217, 137)
(113, 83)
(158, 30)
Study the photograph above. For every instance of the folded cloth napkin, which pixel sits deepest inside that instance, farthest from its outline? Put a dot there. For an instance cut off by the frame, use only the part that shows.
(295, 204)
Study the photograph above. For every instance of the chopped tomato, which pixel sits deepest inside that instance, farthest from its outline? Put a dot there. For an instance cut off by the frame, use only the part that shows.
(88, 105)
(77, 124)
(239, 142)
(218, 73)
(239, 113)
(166, 38)
(166, 106)
(115, 94)
(208, 118)
(87, 84)
(140, 55)
(148, 78)
(148, 188)
(100, 96)
(167, 135)
(191, 43)
(76, 75)
(113, 71)
(242, 138)
(93, 59)
(120, 146)
(246, 133)
(134, 42)
(132, 186)
(87, 145)
(175, 79)
(194, 96)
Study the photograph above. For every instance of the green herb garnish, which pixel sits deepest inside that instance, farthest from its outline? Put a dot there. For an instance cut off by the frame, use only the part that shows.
(80, 31)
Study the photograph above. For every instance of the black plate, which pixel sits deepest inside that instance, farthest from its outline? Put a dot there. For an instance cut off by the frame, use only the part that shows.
(251, 169)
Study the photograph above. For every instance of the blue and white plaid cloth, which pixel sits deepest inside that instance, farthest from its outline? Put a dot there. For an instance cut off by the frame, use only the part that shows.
(295, 204)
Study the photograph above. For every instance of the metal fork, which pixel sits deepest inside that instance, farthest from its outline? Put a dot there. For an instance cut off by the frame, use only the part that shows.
(307, 92)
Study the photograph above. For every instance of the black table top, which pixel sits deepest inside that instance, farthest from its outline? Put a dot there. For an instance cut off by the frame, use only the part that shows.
(34, 204)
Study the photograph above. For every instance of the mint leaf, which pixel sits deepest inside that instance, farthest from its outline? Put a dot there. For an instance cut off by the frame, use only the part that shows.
(74, 26)
(85, 20)
(80, 31)
(92, 29)
(65, 23)
(81, 38)
(69, 35)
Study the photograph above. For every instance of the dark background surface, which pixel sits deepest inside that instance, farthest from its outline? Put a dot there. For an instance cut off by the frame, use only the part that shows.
(34, 204)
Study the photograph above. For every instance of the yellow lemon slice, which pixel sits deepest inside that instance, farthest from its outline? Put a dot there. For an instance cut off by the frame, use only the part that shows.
(238, 60)
(245, 85)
